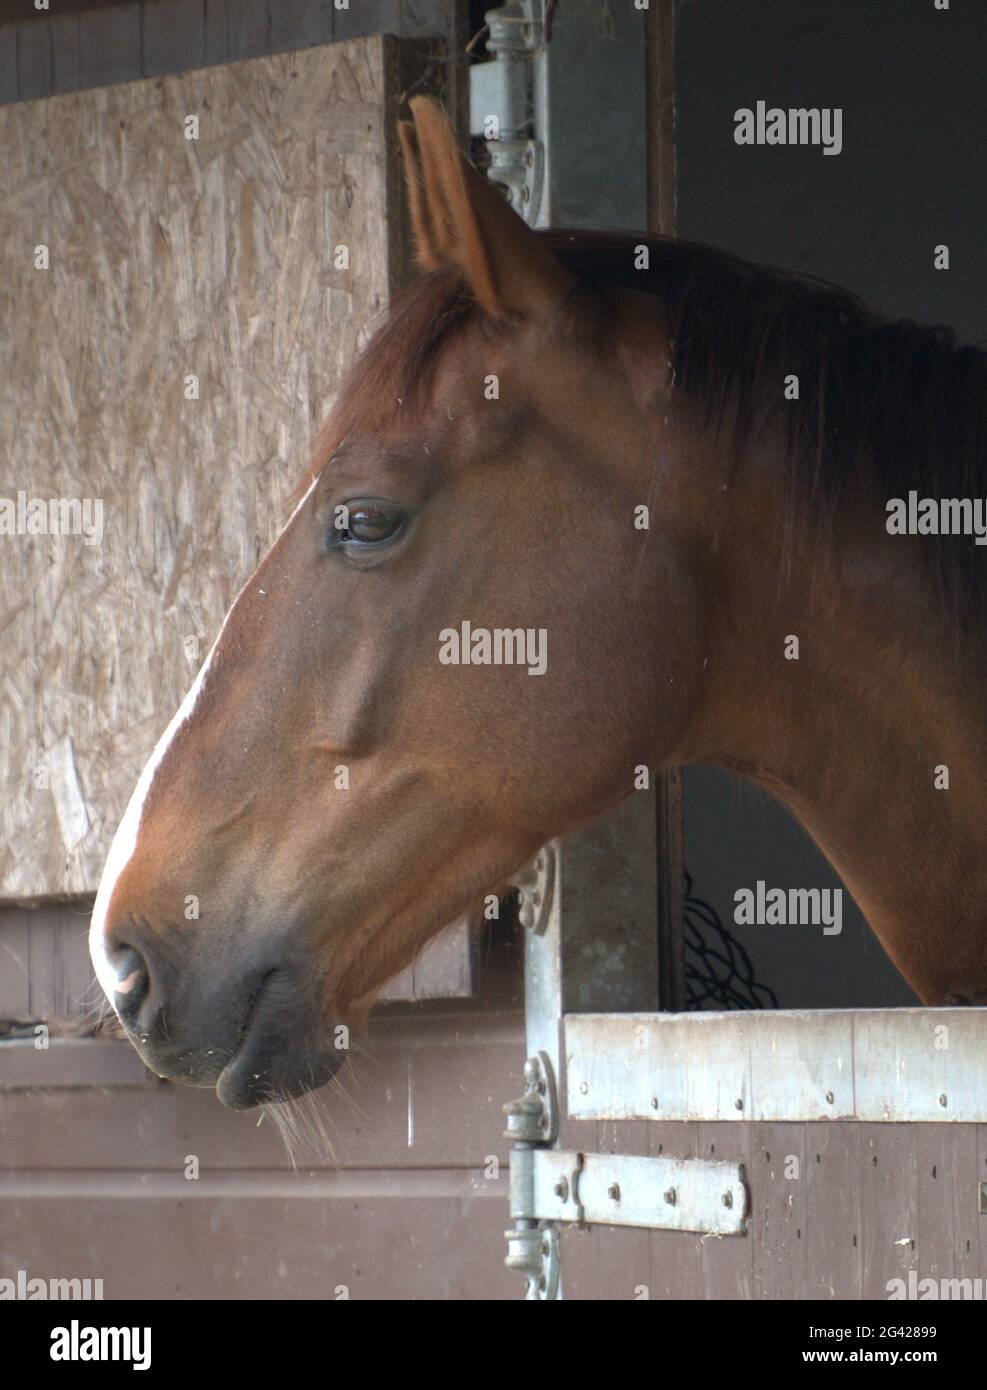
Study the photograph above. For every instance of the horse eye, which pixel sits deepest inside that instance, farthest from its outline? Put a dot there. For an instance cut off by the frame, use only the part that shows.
(368, 523)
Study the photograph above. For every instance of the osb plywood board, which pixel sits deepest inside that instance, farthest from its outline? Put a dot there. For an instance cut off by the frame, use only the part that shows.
(168, 258)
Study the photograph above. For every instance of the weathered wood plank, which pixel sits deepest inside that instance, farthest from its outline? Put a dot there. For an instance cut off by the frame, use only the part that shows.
(64, 31)
(832, 1215)
(15, 980)
(173, 37)
(428, 1099)
(886, 1181)
(293, 1237)
(216, 35)
(948, 1229)
(727, 1263)
(865, 1064)
(110, 46)
(34, 62)
(360, 19)
(67, 1063)
(8, 62)
(246, 27)
(60, 971)
(300, 23)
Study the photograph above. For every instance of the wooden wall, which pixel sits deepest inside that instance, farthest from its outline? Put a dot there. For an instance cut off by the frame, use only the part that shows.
(92, 1182)
(91, 43)
(401, 1190)
(860, 1205)
(169, 258)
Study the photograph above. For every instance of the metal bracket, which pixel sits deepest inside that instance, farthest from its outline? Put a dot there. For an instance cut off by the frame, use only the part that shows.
(656, 1194)
(501, 103)
(534, 1117)
(533, 1250)
(536, 885)
(518, 26)
(550, 1185)
(520, 166)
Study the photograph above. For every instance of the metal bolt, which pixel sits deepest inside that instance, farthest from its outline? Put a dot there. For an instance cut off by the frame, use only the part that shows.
(670, 1196)
(654, 1102)
(829, 1097)
(613, 1192)
(943, 1101)
(562, 1190)
(738, 1105)
(584, 1088)
(728, 1199)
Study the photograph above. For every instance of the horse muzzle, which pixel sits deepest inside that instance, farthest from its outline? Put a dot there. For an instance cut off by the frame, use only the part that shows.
(264, 1038)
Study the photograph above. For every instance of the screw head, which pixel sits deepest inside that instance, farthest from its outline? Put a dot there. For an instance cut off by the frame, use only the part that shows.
(613, 1192)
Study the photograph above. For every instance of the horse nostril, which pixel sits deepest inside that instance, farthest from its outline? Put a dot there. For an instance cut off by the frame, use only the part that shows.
(133, 981)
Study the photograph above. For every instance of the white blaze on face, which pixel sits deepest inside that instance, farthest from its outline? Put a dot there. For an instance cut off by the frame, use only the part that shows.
(125, 840)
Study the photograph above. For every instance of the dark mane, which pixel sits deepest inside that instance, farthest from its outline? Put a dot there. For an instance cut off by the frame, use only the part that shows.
(901, 399)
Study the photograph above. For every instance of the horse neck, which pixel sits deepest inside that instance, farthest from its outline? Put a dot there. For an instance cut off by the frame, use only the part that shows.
(851, 733)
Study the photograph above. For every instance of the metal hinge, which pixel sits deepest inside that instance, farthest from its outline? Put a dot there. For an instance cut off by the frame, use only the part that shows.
(501, 102)
(532, 1121)
(658, 1194)
(549, 1186)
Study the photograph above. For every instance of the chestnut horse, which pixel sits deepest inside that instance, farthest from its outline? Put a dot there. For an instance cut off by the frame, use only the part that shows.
(570, 510)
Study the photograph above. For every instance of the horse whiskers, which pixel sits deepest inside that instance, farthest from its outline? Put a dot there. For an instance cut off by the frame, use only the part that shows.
(301, 1123)
(99, 1012)
(363, 1052)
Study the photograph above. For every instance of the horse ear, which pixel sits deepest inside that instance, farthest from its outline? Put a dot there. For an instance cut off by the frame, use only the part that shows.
(459, 219)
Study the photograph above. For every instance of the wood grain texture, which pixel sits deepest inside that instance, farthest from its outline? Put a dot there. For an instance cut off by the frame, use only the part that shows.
(168, 258)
